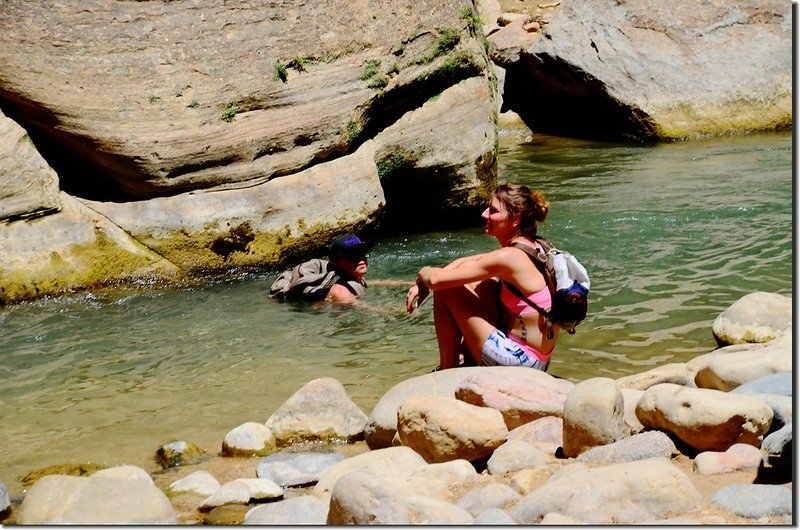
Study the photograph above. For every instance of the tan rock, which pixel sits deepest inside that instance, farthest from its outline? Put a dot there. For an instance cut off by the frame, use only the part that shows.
(381, 427)
(594, 414)
(515, 455)
(509, 42)
(166, 103)
(735, 458)
(677, 373)
(707, 420)
(546, 433)
(489, 11)
(442, 429)
(653, 69)
(629, 493)
(249, 439)
(727, 368)
(630, 398)
(28, 185)
(72, 249)
(755, 317)
(427, 511)
(359, 498)
(103, 500)
(520, 394)
(391, 463)
(438, 481)
(320, 410)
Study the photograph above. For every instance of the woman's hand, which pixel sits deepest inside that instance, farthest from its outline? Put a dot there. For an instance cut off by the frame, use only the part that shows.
(412, 299)
(417, 294)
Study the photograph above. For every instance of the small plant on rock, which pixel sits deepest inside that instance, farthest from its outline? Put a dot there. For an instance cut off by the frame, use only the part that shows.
(299, 63)
(279, 71)
(372, 73)
(471, 17)
(371, 68)
(388, 165)
(447, 40)
(229, 114)
(353, 129)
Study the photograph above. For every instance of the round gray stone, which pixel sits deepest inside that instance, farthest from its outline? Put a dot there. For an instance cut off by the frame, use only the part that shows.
(296, 469)
(754, 500)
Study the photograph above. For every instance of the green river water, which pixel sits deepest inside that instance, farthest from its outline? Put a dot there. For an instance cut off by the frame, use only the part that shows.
(672, 234)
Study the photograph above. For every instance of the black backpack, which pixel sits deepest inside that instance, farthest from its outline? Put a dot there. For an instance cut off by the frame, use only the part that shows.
(567, 280)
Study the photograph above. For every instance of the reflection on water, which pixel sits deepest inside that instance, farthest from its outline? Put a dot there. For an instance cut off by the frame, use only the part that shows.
(672, 235)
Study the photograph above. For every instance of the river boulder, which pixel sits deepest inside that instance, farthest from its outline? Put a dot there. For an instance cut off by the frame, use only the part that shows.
(320, 411)
(520, 394)
(249, 439)
(382, 423)
(442, 429)
(732, 366)
(627, 493)
(594, 414)
(706, 420)
(28, 186)
(755, 317)
(104, 498)
(302, 510)
(650, 70)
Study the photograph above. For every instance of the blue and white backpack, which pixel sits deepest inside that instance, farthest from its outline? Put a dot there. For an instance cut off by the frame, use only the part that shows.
(568, 282)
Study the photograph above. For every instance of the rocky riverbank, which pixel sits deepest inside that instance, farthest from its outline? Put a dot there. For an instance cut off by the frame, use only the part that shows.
(703, 442)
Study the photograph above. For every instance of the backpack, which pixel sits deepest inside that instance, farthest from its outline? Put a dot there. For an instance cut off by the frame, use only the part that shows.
(568, 282)
(310, 280)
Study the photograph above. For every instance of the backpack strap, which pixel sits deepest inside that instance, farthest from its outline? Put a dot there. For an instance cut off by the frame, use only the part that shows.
(538, 259)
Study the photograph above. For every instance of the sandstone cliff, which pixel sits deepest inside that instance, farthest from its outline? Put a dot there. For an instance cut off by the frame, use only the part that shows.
(235, 134)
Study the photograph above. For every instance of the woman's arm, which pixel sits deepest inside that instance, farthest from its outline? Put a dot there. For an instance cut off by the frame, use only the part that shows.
(465, 270)
(461, 261)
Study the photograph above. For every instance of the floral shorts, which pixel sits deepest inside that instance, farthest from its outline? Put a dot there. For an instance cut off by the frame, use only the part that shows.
(501, 350)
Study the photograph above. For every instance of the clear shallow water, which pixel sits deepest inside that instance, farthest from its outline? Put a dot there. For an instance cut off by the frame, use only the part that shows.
(671, 234)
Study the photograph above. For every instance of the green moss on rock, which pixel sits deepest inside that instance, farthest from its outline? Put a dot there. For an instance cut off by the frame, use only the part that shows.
(83, 266)
(75, 470)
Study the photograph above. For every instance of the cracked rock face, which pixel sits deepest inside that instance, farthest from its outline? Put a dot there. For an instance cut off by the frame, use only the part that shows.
(162, 97)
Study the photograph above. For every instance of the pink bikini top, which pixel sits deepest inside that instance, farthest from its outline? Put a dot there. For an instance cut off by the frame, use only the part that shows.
(518, 307)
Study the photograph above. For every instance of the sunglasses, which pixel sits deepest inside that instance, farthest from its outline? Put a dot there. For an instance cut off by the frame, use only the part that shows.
(354, 256)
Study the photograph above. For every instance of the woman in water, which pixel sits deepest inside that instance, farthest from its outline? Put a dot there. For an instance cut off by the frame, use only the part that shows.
(475, 313)
(348, 257)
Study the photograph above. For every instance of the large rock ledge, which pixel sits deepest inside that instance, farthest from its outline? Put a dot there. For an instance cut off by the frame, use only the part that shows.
(219, 137)
(647, 69)
(478, 445)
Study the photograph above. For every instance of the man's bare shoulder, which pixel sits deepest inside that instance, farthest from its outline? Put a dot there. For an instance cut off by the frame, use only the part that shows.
(339, 294)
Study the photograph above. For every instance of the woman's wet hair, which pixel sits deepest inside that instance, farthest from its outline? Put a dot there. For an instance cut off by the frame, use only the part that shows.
(531, 206)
